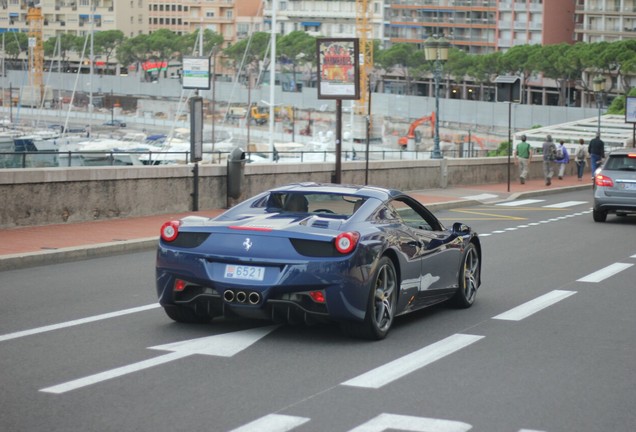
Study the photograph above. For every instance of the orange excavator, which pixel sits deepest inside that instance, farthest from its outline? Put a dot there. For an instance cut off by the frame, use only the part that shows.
(414, 136)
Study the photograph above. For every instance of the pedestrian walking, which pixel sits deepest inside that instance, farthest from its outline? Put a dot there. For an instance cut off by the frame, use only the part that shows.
(596, 149)
(549, 155)
(562, 158)
(523, 155)
(580, 158)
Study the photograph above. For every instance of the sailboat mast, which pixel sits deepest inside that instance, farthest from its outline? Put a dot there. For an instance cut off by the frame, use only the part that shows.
(92, 61)
(272, 80)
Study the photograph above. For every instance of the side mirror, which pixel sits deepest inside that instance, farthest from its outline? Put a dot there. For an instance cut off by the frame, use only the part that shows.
(460, 228)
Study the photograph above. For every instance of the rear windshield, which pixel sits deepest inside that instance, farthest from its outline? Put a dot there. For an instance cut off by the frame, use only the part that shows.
(621, 162)
(324, 204)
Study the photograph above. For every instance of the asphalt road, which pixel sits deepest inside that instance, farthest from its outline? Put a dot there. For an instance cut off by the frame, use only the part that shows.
(548, 346)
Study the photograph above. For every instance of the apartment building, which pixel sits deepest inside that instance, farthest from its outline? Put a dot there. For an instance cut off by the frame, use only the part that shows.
(77, 17)
(232, 19)
(481, 26)
(324, 18)
(605, 20)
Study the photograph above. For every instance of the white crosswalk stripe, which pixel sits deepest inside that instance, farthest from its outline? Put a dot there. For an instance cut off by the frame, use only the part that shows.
(520, 203)
(565, 204)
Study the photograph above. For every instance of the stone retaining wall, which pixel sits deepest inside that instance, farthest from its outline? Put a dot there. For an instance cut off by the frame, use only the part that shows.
(57, 195)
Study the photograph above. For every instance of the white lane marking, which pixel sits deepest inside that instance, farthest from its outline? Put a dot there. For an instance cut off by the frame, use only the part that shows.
(529, 430)
(606, 272)
(273, 423)
(225, 345)
(402, 366)
(520, 203)
(385, 422)
(52, 327)
(221, 345)
(534, 306)
(481, 197)
(633, 256)
(113, 373)
(565, 204)
(533, 224)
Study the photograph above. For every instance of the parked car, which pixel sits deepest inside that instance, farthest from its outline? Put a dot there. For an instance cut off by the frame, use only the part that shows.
(115, 122)
(308, 252)
(615, 185)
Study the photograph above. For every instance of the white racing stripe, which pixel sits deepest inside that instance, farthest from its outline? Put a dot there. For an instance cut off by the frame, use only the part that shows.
(272, 423)
(534, 306)
(66, 324)
(604, 273)
(402, 366)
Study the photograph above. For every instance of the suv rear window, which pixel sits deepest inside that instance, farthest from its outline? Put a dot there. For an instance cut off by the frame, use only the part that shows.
(621, 162)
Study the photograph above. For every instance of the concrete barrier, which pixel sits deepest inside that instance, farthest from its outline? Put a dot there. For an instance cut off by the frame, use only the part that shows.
(44, 196)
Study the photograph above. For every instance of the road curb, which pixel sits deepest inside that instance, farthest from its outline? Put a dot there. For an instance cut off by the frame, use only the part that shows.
(549, 191)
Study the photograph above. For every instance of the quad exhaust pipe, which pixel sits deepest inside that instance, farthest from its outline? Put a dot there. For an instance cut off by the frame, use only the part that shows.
(252, 297)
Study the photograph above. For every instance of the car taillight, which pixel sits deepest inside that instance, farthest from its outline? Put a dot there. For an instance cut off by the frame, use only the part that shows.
(604, 181)
(170, 230)
(179, 285)
(317, 296)
(346, 241)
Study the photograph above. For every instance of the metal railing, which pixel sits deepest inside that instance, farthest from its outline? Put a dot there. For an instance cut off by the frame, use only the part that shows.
(51, 159)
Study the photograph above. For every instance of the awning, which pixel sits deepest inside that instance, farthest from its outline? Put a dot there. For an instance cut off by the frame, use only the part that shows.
(83, 16)
(310, 23)
(506, 79)
(13, 14)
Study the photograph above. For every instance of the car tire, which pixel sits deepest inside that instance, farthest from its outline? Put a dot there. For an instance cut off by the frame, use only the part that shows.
(186, 315)
(469, 276)
(599, 215)
(381, 305)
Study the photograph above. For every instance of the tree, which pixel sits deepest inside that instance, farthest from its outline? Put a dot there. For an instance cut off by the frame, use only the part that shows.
(106, 42)
(518, 61)
(554, 61)
(133, 51)
(296, 49)
(399, 58)
(618, 104)
(186, 44)
(484, 68)
(16, 44)
(248, 52)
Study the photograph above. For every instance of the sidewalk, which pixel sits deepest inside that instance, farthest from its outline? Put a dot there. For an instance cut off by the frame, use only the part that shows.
(30, 246)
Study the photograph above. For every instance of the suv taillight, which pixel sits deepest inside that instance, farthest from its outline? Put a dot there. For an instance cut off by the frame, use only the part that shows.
(603, 180)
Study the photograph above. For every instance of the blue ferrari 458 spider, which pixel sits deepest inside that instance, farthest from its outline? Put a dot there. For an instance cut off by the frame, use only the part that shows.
(307, 252)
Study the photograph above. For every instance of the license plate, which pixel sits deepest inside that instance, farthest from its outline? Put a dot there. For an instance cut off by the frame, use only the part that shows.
(629, 186)
(244, 272)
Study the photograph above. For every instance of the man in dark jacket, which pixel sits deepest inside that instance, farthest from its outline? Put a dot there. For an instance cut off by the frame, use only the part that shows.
(596, 149)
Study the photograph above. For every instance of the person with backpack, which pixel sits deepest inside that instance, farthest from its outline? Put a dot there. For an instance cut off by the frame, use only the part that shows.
(523, 155)
(580, 158)
(562, 158)
(549, 155)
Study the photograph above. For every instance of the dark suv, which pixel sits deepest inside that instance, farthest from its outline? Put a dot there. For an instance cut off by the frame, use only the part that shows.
(615, 185)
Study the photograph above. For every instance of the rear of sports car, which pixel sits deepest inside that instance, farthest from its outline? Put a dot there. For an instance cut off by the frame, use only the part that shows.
(278, 268)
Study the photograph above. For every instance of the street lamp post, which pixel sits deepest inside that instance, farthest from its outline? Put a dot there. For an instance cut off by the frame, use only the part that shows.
(436, 50)
(598, 84)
